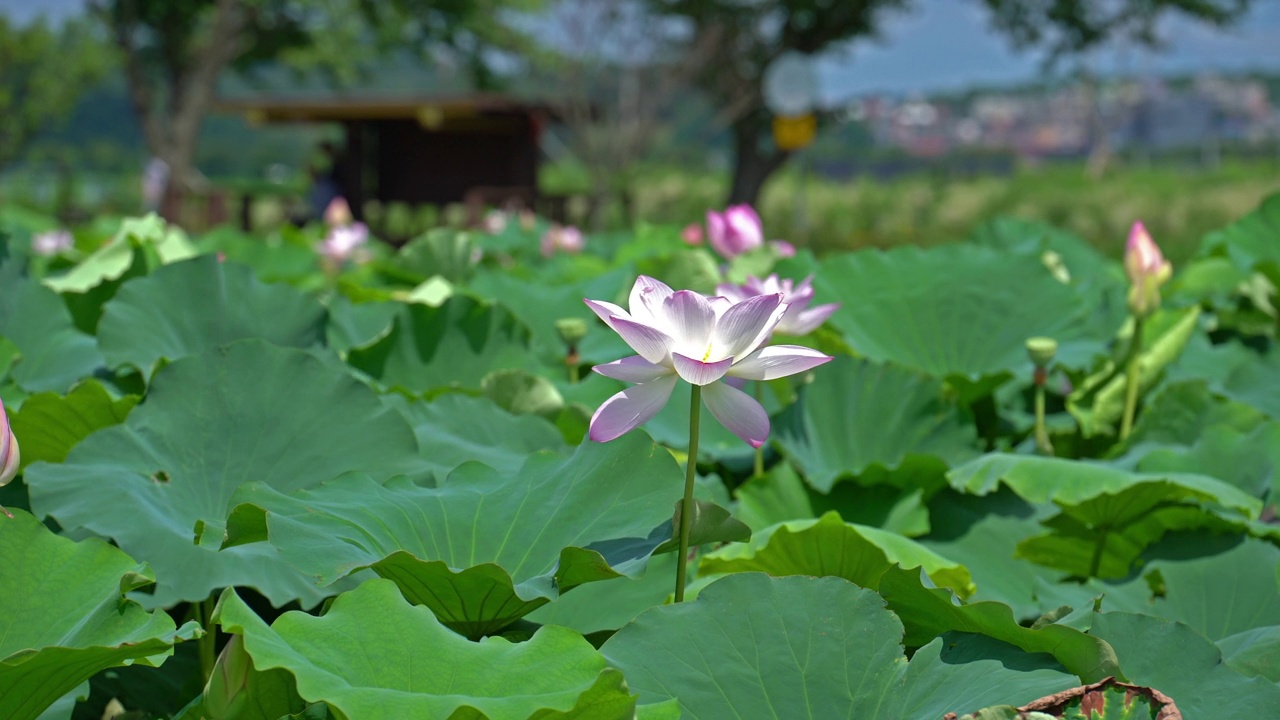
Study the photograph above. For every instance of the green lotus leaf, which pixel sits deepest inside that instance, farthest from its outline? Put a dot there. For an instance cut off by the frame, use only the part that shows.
(982, 533)
(1233, 371)
(484, 548)
(1254, 653)
(1181, 663)
(1217, 585)
(374, 655)
(1108, 515)
(953, 310)
(457, 344)
(48, 425)
(858, 413)
(780, 495)
(54, 355)
(828, 546)
(610, 604)
(1250, 242)
(928, 612)
(271, 257)
(66, 616)
(353, 324)
(1249, 461)
(1098, 403)
(112, 260)
(454, 428)
(190, 307)
(440, 252)
(753, 646)
(539, 304)
(248, 411)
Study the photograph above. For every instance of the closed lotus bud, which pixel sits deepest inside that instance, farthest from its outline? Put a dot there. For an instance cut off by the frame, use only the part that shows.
(1147, 270)
(9, 457)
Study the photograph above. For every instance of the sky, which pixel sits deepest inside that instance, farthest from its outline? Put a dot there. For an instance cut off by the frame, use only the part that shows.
(948, 45)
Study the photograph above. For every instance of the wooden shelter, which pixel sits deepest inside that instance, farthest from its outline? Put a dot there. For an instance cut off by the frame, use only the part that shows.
(420, 148)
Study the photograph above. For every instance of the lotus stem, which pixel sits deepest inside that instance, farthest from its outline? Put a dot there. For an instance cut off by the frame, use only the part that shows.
(686, 505)
(571, 361)
(1132, 379)
(207, 643)
(759, 460)
(1043, 444)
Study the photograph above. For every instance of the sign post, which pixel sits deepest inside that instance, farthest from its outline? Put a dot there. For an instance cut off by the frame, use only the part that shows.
(790, 92)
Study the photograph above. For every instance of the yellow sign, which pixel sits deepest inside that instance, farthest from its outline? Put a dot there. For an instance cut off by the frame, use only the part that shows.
(793, 132)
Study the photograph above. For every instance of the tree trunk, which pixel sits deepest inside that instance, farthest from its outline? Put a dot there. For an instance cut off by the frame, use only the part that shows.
(754, 158)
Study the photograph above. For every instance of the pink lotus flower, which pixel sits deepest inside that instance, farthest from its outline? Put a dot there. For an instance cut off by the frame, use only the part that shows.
(344, 242)
(559, 238)
(1147, 270)
(799, 318)
(692, 234)
(685, 335)
(735, 231)
(9, 456)
(494, 222)
(51, 243)
(338, 213)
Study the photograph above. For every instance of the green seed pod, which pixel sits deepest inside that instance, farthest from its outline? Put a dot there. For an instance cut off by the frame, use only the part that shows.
(1041, 350)
(571, 330)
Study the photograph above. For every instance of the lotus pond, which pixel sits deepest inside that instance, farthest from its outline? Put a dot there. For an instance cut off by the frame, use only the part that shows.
(299, 476)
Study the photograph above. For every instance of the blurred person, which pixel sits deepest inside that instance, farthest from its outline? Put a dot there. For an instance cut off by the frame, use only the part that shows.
(155, 180)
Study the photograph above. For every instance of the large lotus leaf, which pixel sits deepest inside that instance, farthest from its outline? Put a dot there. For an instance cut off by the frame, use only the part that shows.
(1254, 653)
(1250, 242)
(457, 343)
(66, 617)
(1108, 515)
(271, 257)
(958, 671)
(752, 646)
(1098, 403)
(982, 534)
(442, 252)
(373, 655)
(353, 324)
(1234, 371)
(190, 307)
(48, 425)
(454, 428)
(1247, 460)
(951, 310)
(928, 612)
(858, 413)
(485, 547)
(1184, 665)
(248, 411)
(539, 304)
(780, 495)
(109, 262)
(610, 604)
(54, 355)
(830, 547)
(1217, 592)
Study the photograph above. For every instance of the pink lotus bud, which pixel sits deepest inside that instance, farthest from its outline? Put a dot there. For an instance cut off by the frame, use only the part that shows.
(691, 234)
(1147, 270)
(527, 219)
(342, 242)
(338, 213)
(9, 457)
(783, 248)
(735, 231)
